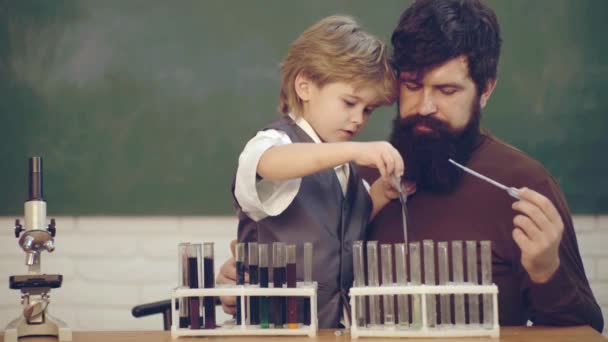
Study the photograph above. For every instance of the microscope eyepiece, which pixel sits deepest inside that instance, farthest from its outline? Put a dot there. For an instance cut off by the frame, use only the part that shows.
(35, 179)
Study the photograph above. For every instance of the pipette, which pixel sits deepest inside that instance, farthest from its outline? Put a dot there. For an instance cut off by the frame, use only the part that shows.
(514, 192)
(403, 200)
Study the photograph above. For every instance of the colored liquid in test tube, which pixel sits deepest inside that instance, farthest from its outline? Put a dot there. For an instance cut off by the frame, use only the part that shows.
(359, 275)
(240, 277)
(386, 254)
(444, 279)
(194, 267)
(458, 279)
(209, 282)
(182, 261)
(403, 304)
(372, 280)
(292, 302)
(264, 301)
(278, 279)
(415, 280)
(486, 279)
(254, 302)
(429, 279)
(307, 280)
(472, 279)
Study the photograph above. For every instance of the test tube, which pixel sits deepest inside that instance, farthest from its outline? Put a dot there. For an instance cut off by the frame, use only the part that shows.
(458, 278)
(292, 304)
(240, 276)
(263, 262)
(386, 253)
(472, 279)
(194, 267)
(254, 306)
(486, 279)
(307, 279)
(401, 272)
(415, 280)
(372, 280)
(429, 279)
(278, 279)
(209, 282)
(359, 275)
(444, 304)
(182, 281)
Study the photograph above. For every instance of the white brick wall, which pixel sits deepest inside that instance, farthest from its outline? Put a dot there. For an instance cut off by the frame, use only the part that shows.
(110, 264)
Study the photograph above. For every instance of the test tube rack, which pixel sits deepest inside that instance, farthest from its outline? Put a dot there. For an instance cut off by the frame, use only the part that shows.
(242, 292)
(441, 330)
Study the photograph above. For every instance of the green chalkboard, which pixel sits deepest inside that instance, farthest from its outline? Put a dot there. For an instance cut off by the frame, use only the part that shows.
(141, 107)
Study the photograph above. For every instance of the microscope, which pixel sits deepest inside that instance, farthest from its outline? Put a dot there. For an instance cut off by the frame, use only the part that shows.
(34, 238)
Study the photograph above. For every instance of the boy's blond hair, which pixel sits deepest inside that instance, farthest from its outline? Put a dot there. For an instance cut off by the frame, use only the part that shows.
(336, 49)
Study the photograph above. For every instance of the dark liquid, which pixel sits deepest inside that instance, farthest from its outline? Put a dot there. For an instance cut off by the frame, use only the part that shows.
(240, 280)
(306, 310)
(292, 302)
(209, 302)
(184, 322)
(254, 307)
(280, 305)
(195, 322)
(264, 300)
(193, 302)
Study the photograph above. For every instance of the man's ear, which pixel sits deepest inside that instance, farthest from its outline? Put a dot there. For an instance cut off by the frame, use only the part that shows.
(303, 86)
(485, 96)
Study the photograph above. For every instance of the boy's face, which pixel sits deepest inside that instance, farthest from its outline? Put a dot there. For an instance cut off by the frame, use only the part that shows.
(445, 93)
(336, 111)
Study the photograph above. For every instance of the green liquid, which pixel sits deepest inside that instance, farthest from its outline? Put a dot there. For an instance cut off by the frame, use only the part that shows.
(264, 312)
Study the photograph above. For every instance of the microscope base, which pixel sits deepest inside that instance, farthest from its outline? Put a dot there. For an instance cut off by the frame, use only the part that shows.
(51, 327)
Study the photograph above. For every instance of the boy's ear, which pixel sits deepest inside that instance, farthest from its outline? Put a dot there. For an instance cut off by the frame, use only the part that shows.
(303, 85)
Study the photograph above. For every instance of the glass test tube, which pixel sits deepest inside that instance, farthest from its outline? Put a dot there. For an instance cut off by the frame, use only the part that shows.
(444, 279)
(429, 279)
(182, 281)
(254, 280)
(307, 279)
(372, 280)
(292, 302)
(194, 267)
(209, 282)
(278, 279)
(386, 253)
(240, 276)
(415, 280)
(401, 273)
(264, 301)
(458, 278)
(472, 279)
(486, 279)
(359, 275)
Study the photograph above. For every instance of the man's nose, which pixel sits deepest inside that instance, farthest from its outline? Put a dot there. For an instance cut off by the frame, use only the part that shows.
(427, 105)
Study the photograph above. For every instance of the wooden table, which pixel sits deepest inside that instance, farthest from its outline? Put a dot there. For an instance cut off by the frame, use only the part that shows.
(507, 334)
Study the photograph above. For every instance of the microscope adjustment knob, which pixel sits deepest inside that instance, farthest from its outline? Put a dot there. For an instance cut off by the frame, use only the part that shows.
(18, 228)
(51, 228)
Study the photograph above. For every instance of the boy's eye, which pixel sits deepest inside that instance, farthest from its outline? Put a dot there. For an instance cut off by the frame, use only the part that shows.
(349, 103)
(368, 110)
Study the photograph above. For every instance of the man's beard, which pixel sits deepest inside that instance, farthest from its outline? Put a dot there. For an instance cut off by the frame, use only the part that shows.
(426, 154)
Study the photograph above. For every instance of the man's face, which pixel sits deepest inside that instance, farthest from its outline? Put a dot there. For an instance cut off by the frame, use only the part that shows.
(439, 115)
(445, 93)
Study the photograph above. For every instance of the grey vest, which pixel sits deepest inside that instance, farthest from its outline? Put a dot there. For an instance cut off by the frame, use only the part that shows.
(322, 215)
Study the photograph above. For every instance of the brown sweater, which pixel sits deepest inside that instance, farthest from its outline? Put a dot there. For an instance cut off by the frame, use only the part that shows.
(477, 210)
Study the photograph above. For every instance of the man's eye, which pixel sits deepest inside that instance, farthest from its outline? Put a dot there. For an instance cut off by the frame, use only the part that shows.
(448, 91)
(412, 85)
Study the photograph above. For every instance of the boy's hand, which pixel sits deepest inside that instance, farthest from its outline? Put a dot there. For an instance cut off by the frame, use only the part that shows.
(381, 155)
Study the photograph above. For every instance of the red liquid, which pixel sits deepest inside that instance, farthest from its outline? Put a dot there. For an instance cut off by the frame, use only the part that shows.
(209, 302)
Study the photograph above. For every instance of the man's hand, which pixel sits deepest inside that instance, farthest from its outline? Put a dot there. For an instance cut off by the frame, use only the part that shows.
(538, 232)
(227, 275)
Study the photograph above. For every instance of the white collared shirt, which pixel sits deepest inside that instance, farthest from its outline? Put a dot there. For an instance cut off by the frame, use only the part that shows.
(260, 198)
